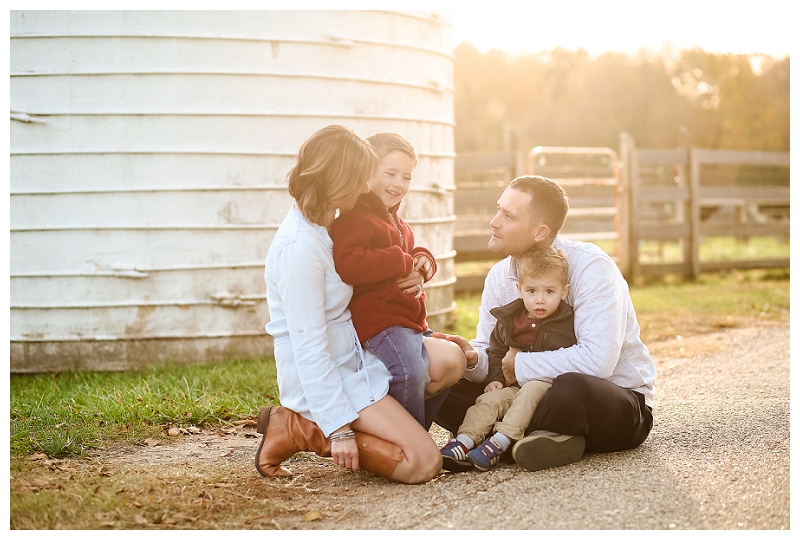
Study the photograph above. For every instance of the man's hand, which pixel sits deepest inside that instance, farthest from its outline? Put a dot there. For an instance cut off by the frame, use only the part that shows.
(509, 361)
(492, 386)
(469, 352)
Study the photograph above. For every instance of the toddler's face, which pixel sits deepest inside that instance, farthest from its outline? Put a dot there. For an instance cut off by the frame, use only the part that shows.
(542, 294)
(392, 179)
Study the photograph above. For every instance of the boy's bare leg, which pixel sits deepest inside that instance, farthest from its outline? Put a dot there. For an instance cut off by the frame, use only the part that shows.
(446, 364)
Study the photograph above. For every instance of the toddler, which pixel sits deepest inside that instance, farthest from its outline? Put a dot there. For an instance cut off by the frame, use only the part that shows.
(540, 320)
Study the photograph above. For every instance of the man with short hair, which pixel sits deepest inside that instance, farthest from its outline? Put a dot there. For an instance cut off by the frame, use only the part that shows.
(601, 396)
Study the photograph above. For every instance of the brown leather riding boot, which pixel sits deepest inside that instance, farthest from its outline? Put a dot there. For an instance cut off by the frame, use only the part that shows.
(285, 433)
(378, 456)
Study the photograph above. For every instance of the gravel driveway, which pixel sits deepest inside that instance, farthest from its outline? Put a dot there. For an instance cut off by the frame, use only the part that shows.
(717, 458)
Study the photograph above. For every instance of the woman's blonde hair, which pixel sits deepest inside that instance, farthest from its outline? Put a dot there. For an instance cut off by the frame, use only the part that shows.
(332, 167)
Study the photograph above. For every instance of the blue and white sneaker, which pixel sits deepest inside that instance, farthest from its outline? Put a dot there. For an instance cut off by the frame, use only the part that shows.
(454, 457)
(486, 455)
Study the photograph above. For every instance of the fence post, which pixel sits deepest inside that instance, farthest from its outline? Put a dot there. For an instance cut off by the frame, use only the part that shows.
(694, 213)
(635, 185)
(625, 261)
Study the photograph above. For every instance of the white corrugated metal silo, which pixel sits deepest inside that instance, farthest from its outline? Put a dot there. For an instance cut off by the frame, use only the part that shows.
(148, 159)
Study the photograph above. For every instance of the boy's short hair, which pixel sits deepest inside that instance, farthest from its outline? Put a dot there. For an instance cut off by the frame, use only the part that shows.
(549, 201)
(383, 143)
(542, 260)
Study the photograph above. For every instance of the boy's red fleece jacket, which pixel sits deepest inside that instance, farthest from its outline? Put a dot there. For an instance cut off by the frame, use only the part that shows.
(370, 253)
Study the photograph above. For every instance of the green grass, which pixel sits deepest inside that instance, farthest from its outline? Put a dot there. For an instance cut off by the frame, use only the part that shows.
(671, 306)
(717, 249)
(70, 413)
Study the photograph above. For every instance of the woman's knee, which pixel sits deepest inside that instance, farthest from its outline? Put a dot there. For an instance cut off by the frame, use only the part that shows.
(423, 463)
(388, 420)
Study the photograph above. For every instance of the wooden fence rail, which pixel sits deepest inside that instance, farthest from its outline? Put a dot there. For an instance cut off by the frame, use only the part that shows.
(636, 198)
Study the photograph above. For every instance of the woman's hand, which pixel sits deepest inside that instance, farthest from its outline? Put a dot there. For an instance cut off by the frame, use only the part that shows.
(411, 284)
(345, 454)
(492, 386)
(345, 451)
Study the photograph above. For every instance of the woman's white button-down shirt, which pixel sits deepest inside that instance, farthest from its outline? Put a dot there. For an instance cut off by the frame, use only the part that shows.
(323, 373)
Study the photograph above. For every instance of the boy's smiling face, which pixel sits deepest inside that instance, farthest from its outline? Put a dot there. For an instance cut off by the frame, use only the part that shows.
(392, 179)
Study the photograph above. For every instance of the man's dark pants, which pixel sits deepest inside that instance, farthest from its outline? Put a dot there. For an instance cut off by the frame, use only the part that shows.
(609, 417)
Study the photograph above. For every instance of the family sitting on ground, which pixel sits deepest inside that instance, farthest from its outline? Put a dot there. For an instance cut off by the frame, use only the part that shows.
(557, 367)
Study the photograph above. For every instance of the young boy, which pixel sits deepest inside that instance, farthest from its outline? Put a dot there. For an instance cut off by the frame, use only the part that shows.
(540, 320)
(373, 249)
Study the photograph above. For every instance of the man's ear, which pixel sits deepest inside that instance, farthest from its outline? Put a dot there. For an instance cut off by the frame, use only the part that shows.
(542, 232)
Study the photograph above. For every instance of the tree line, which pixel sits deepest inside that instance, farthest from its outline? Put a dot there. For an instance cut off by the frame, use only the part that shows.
(569, 98)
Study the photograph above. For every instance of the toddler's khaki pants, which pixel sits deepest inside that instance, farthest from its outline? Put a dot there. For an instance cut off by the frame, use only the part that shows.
(507, 411)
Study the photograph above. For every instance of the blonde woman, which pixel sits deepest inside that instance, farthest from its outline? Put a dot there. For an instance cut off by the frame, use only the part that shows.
(333, 393)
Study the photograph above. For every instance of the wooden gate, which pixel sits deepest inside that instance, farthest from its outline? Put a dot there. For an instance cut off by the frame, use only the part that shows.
(589, 175)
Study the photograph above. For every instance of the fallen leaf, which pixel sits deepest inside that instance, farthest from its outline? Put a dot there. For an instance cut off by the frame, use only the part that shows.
(152, 442)
(141, 520)
(245, 423)
(312, 515)
(39, 457)
(173, 432)
(193, 430)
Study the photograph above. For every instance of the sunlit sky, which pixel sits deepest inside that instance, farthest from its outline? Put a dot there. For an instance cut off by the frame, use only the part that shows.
(763, 26)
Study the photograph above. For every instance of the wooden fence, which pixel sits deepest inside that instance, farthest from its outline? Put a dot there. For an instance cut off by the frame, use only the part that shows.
(689, 195)
(635, 202)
